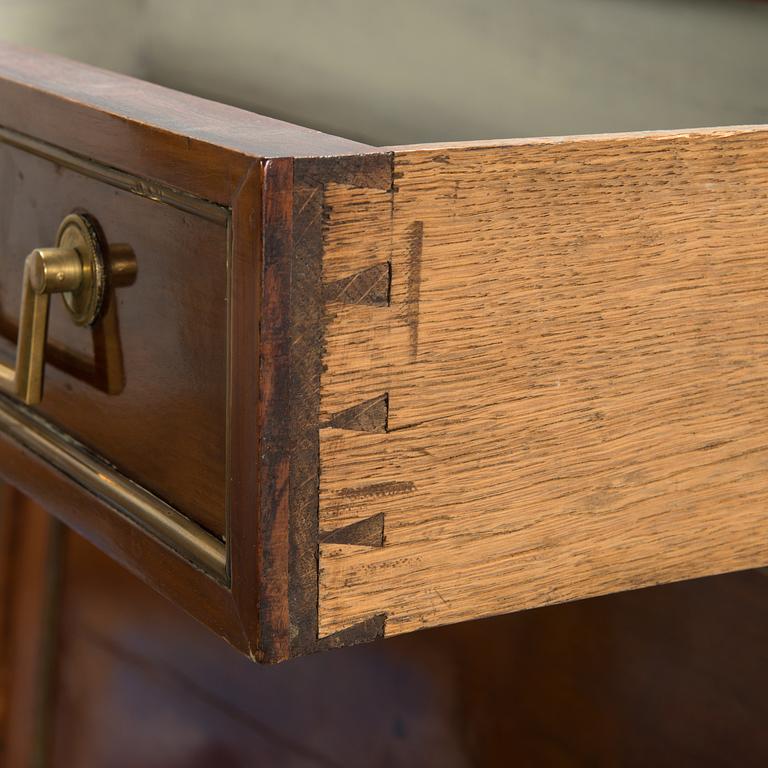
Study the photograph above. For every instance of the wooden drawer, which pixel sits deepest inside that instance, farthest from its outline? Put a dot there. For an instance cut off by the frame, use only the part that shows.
(369, 390)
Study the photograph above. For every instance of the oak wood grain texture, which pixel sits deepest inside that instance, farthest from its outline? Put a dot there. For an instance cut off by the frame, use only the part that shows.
(574, 359)
(137, 679)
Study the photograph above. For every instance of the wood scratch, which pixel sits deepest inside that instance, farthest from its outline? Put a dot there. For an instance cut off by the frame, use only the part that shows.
(413, 290)
(378, 489)
(369, 286)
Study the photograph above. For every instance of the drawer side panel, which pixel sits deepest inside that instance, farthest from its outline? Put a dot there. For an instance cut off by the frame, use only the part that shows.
(572, 366)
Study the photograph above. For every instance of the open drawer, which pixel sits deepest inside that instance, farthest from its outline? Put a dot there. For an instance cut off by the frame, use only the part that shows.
(328, 392)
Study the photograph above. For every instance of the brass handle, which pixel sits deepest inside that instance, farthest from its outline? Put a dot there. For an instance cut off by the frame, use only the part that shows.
(75, 268)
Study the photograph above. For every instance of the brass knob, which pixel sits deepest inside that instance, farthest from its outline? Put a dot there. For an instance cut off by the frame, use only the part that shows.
(74, 268)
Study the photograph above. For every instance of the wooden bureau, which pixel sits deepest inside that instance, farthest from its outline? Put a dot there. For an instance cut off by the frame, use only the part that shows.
(316, 393)
(369, 391)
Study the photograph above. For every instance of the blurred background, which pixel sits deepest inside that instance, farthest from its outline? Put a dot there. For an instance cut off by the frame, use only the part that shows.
(407, 71)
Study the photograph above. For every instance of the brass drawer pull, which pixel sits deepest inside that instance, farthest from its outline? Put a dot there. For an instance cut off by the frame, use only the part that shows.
(74, 268)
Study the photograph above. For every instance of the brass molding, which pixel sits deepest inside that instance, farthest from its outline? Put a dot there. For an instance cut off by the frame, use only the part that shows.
(160, 520)
(115, 178)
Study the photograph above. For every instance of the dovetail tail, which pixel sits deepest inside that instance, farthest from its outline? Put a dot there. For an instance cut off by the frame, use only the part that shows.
(364, 631)
(368, 416)
(367, 533)
(370, 286)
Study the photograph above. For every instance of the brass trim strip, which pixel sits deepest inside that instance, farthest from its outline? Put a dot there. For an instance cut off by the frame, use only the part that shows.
(133, 502)
(141, 187)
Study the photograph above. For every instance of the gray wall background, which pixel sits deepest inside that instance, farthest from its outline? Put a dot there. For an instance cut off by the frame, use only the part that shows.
(407, 71)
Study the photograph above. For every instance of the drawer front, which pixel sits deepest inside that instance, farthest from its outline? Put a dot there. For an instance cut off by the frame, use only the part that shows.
(164, 423)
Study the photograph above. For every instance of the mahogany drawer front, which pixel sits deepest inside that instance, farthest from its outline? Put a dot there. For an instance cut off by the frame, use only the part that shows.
(371, 390)
(171, 324)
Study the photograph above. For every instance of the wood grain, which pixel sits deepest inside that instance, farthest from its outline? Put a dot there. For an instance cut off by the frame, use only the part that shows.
(29, 647)
(575, 356)
(9, 535)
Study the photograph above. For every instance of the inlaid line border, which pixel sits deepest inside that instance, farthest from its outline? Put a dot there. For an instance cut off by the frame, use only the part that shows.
(136, 504)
